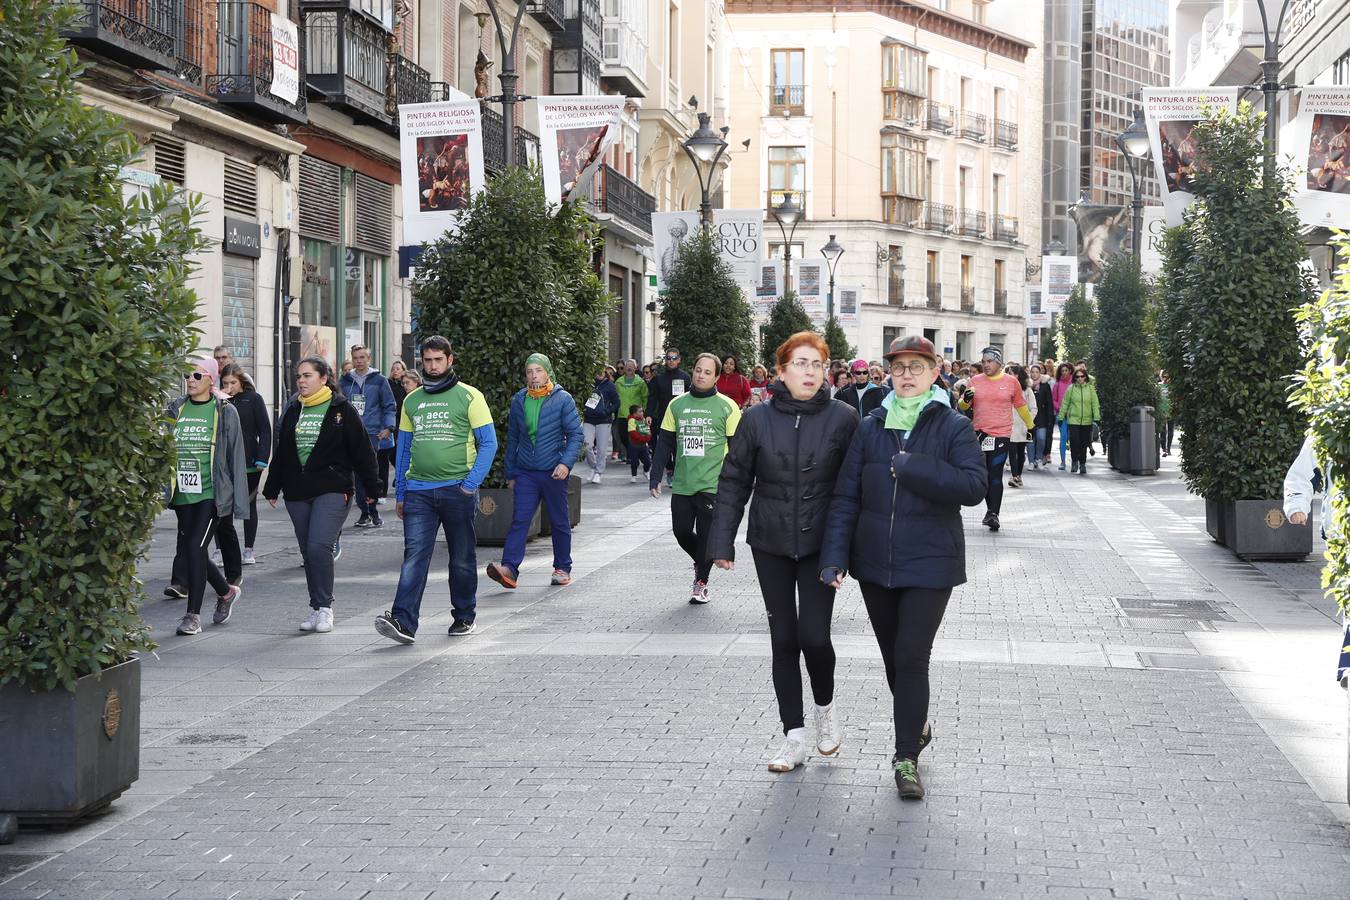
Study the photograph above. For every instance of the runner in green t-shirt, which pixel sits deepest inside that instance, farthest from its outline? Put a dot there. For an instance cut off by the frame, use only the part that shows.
(695, 428)
(194, 442)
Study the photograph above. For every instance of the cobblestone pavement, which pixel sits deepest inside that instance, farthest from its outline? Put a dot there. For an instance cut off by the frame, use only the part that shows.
(1121, 710)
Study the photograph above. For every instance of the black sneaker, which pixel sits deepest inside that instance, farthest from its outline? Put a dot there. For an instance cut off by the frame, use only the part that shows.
(925, 736)
(363, 522)
(461, 629)
(907, 778)
(376, 521)
(175, 592)
(391, 628)
(992, 521)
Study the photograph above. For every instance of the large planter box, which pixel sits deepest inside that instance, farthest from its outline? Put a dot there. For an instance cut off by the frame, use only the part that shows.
(1257, 530)
(1214, 520)
(495, 508)
(1118, 452)
(573, 507)
(66, 754)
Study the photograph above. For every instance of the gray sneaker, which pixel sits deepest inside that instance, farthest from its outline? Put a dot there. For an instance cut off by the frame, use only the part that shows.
(191, 624)
(225, 605)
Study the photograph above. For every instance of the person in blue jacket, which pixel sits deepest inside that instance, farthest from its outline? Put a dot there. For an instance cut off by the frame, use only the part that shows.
(895, 524)
(543, 441)
(369, 393)
(597, 423)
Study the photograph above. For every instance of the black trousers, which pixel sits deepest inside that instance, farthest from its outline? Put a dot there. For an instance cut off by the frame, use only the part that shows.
(1166, 431)
(994, 461)
(196, 527)
(691, 519)
(619, 432)
(1017, 458)
(906, 621)
(800, 609)
(1080, 437)
(227, 539)
(384, 459)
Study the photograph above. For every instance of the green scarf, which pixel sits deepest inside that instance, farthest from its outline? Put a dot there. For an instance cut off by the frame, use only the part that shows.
(903, 412)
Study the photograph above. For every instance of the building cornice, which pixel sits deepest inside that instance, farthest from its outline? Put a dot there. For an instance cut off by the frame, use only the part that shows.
(222, 123)
(143, 118)
(930, 19)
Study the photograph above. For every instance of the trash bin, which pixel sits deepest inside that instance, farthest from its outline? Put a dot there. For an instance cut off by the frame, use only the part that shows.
(1143, 454)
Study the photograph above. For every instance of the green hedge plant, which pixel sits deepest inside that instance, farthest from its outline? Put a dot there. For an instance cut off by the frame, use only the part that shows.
(1076, 322)
(787, 318)
(837, 340)
(96, 319)
(1121, 360)
(704, 309)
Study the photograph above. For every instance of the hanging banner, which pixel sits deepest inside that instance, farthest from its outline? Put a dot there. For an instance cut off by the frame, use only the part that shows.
(1059, 275)
(670, 231)
(848, 298)
(285, 60)
(441, 161)
(1155, 228)
(808, 280)
(738, 235)
(1037, 315)
(1171, 116)
(575, 133)
(1322, 149)
(769, 285)
(1103, 232)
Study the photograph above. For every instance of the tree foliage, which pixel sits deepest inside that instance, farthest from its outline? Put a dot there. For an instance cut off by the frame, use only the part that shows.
(834, 335)
(787, 318)
(91, 285)
(1121, 360)
(515, 279)
(1232, 343)
(704, 309)
(1077, 321)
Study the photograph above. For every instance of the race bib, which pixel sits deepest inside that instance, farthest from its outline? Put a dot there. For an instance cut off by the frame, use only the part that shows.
(676, 387)
(987, 445)
(757, 392)
(359, 401)
(693, 445)
(189, 477)
(593, 402)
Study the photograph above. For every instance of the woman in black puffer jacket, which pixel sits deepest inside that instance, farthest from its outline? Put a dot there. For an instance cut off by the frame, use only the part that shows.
(788, 452)
(895, 524)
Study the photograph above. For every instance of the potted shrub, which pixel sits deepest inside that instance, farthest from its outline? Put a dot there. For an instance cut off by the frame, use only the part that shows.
(1073, 340)
(704, 310)
(515, 278)
(1122, 365)
(786, 319)
(93, 284)
(1233, 278)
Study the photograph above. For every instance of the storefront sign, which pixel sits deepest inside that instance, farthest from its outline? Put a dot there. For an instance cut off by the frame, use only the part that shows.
(242, 237)
(285, 60)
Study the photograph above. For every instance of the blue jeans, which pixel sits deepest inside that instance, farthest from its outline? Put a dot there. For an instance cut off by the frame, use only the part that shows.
(1040, 448)
(1063, 440)
(531, 487)
(424, 512)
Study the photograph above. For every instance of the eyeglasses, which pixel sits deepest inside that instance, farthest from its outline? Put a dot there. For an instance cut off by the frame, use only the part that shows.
(197, 376)
(807, 365)
(915, 368)
(1081, 376)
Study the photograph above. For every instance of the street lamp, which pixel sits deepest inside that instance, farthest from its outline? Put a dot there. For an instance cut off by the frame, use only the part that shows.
(787, 214)
(831, 251)
(705, 148)
(1134, 146)
(509, 77)
(1270, 81)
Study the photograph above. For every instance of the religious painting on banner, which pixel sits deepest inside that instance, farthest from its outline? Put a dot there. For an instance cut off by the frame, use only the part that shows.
(1102, 234)
(1321, 147)
(1059, 276)
(738, 237)
(1171, 116)
(575, 133)
(441, 163)
(670, 232)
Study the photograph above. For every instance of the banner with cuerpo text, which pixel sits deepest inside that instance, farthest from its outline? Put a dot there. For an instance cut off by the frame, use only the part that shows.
(1321, 147)
(1155, 232)
(575, 133)
(1171, 116)
(670, 232)
(285, 60)
(441, 161)
(1059, 276)
(738, 237)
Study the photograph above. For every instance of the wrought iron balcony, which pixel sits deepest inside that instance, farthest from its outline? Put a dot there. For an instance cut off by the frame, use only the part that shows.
(1005, 134)
(934, 295)
(244, 75)
(412, 83)
(936, 216)
(967, 299)
(348, 59)
(1005, 229)
(898, 209)
(939, 116)
(1001, 302)
(623, 199)
(971, 223)
(787, 98)
(548, 13)
(191, 43)
(974, 126)
(139, 34)
(527, 147)
(494, 143)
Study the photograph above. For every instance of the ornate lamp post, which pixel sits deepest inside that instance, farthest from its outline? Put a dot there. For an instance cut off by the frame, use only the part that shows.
(705, 148)
(1133, 144)
(831, 251)
(787, 214)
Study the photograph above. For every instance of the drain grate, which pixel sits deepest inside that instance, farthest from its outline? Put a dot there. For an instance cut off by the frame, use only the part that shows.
(1187, 661)
(1192, 610)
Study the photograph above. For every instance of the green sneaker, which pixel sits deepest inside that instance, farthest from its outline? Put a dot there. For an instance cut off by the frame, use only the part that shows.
(907, 778)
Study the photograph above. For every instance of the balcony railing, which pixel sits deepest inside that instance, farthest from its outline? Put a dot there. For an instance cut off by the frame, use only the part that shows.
(901, 210)
(974, 126)
(790, 98)
(934, 295)
(548, 13)
(140, 34)
(971, 223)
(967, 299)
(527, 147)
(412, 83)
(1005, 134)
(895, 290)
(348, 55)
(494, 143)
(936, 216)
(907, 109)
(244, 73)
(1005, 229)
(191, 49)
(623, 199)
(1000, 302)
(938, 116)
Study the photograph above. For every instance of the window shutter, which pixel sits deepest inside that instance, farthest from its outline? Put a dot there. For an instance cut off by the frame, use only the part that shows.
(170, 159)
(374, 215)
(320, 191)
(241, 187)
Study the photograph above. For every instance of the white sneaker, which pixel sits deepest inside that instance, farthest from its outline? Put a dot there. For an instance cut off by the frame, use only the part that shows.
(595, 479)
(312, 622)
(248, 559)
(634, 480)
(792, 754)
(698, 593)
(827, 730)
(325, 623)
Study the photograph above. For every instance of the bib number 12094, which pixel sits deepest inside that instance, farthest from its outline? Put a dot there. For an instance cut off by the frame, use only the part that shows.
(693, 445)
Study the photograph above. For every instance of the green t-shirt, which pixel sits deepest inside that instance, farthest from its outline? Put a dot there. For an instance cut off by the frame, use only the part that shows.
(307, 429)
(701, 426)
(442, 425)
(194, 436)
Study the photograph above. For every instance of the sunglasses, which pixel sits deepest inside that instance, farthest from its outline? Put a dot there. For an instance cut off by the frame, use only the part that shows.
(197, 376)
(671, 358)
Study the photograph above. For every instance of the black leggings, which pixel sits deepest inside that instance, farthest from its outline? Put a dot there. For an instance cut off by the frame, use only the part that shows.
(993, 463)
(227, 539)
(691, 519)
(1017, 458)
(906, 621)
(1080, 437)
(800, 609)
(196, 525)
